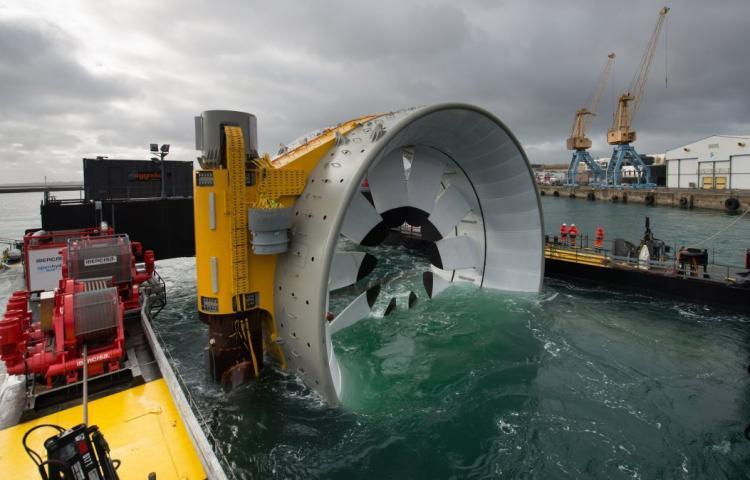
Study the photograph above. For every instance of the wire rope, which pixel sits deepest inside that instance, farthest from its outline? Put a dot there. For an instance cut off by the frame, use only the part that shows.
(723, 229)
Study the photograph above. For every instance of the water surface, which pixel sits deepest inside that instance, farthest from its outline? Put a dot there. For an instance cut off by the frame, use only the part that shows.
(571, 383)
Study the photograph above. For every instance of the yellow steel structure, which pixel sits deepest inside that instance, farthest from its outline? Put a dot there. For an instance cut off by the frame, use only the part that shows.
(236, 286)
(621, 132)
(142, 426)
(238, 270)
(584, 256)
(306, 156)
(578, 139)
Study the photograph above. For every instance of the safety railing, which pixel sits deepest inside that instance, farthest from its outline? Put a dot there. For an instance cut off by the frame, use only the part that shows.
(583, 253)
(152, 190)
(212, 456)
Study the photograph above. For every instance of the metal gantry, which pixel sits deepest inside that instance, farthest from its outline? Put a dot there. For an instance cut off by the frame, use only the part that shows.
(578, 142)
(621, 135)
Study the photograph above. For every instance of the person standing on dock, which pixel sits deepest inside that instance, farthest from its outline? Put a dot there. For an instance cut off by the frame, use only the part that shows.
(564, 233)
(572, 234)
(598, 238)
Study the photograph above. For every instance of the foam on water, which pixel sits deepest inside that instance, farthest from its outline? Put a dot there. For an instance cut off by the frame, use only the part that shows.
(573, 382)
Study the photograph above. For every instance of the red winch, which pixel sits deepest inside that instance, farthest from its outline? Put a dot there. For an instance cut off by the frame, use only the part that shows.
(100, 282)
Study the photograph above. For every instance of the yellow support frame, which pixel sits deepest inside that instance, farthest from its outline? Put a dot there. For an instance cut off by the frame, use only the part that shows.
(228, 272)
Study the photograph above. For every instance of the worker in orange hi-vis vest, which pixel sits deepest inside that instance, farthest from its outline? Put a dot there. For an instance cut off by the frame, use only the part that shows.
(564, 233)
(572, 234)
(598, 237)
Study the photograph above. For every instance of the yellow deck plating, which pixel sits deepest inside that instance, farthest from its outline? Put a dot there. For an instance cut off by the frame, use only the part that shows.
(142, 426)
(584, 256)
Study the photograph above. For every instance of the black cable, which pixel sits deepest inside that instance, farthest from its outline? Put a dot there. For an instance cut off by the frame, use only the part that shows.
(68, 472)
(35, 457)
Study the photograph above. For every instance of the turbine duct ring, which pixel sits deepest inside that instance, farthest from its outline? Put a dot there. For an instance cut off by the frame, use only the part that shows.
(453, 168)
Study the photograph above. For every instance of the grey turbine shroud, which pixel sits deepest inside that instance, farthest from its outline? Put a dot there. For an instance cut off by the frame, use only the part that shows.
(454, 170)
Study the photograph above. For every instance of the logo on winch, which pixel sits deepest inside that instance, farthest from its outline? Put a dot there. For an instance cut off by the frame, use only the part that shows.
(91, 262)
(99, 357)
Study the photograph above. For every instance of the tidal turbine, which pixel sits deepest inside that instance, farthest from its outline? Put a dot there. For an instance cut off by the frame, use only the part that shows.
(267, 229)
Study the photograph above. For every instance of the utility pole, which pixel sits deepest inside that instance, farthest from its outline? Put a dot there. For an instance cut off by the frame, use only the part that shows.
(162, 152)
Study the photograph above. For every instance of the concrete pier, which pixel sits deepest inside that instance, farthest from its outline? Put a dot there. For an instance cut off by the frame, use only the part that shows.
(688, 198)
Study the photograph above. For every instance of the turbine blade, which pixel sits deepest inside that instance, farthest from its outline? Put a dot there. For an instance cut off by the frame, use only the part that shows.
(449, 209)
(412, 299)
(391, 307)
(423, 185)
(453, 253)
(362, 223)
(347, 268)
(354, 312)
(434, 284)
(388, 188)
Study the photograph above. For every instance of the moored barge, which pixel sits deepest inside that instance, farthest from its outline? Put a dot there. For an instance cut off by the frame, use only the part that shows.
(81, 363)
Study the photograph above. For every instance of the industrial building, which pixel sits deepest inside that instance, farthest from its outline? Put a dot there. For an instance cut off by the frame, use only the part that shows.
(718, 162)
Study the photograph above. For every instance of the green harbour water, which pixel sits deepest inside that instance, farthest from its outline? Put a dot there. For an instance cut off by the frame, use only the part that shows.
(677, 227)
(573, 382)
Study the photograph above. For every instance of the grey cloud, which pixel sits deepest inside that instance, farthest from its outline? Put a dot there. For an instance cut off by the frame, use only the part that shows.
(40, 74)
(32, 137)
(303, 65)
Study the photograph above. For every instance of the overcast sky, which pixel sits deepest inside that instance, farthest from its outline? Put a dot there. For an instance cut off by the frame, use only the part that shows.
(108, 78)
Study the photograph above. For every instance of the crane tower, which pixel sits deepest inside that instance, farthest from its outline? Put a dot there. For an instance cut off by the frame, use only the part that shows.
(621, 135)
(578, 142)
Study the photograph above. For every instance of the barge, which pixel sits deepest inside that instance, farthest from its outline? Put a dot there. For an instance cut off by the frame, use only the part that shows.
(686, 275)
(651, 268)
(85, 386)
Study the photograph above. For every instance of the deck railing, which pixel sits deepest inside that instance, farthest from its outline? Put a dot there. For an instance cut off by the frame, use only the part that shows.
(583, 253)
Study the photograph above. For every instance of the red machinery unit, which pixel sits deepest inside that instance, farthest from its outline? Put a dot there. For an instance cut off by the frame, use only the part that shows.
(100, 282)
(41, 255)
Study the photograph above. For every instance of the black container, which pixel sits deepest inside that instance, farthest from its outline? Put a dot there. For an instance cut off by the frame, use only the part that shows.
(117, 179)
(126, 194)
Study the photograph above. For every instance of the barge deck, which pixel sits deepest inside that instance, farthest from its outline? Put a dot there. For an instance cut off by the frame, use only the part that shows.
(719, 285)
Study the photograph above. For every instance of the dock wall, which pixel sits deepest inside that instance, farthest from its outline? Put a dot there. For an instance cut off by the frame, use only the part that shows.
(659, 197)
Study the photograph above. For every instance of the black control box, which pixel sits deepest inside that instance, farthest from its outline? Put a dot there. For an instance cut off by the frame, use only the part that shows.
(74, 449)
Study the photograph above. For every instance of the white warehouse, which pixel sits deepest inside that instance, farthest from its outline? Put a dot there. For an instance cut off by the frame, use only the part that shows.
(719, 162)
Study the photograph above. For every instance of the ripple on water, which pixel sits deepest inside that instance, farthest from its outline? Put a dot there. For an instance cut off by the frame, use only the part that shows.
(573, 383)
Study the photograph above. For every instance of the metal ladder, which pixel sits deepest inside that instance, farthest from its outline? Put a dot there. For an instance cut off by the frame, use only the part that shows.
(235, 148)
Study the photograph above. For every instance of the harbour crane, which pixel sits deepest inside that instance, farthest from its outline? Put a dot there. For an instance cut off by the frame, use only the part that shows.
(578, 142)
(621, 135)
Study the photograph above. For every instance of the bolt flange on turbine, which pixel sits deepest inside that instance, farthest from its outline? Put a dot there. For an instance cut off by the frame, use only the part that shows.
(454, 171)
